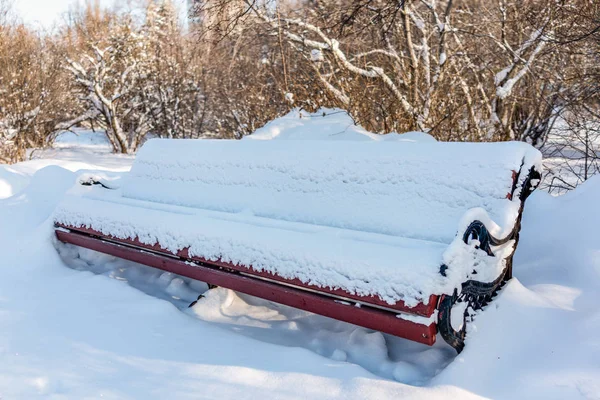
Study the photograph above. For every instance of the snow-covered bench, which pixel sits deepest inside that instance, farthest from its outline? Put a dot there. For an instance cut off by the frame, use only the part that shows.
(364, 232)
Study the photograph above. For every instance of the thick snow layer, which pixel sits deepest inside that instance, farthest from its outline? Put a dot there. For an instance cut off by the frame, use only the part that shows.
(11, 181)
(541, 333)
(326, 124)
(73, 150)
(372, 218)
(68, 334)
(394, 268)
(72, 335)
(417, 190)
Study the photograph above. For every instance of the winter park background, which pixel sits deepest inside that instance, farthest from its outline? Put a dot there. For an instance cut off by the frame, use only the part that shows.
(81, 93)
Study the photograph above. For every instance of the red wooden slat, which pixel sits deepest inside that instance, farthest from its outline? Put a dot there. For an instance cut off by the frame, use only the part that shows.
(421, 309)
(368, 317)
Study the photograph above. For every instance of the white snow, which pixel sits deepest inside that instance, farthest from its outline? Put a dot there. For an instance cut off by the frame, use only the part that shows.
(68, 334)
(501, 75)
(316, 55)
(80, 139)
(417, 190)
(326, 124)
(393, 268)
(442, 60)
(373, 218)
(11, 181)
(289, 97)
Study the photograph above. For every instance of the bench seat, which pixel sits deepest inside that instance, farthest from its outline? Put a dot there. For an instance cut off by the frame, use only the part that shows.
(366, 264)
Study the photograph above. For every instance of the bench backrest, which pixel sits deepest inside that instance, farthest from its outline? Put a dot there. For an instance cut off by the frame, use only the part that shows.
(418, 190)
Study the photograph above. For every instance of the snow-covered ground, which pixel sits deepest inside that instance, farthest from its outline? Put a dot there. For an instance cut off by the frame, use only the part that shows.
(82, 325)
(569, 152)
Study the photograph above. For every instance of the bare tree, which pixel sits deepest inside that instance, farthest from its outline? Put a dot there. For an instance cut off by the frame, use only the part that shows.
(30, 88)
(106, 83)
(460, 69)
(477, 70)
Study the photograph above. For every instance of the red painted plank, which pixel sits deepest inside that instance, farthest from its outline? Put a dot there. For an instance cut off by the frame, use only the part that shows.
(421, 309)
(365, 316)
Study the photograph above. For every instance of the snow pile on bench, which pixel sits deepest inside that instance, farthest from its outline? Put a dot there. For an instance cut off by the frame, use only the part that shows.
(416, 190)
(392, 268)
(373, 218)
(326, 124)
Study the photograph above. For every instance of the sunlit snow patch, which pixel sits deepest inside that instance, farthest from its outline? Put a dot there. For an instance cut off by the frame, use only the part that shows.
(326, 124)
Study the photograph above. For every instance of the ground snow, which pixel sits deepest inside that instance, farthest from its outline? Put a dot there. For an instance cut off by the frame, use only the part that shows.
(11, 181)
(541, 333)
(72, 335)
(82, 139)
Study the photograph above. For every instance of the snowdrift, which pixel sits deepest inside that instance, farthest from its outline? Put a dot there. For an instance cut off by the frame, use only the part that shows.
(71, 334)
(326, 124)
